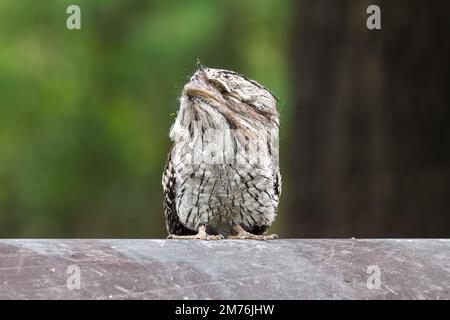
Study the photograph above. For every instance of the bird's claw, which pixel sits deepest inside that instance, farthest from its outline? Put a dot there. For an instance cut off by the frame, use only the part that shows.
(242, 234)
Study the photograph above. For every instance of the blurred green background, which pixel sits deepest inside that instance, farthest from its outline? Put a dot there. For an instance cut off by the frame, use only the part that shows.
(85, 114)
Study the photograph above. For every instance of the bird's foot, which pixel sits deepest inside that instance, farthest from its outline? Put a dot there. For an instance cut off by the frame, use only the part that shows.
(245, 235)
(201, 235)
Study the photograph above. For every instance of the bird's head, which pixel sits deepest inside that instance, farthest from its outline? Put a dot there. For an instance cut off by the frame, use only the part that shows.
(229, 92)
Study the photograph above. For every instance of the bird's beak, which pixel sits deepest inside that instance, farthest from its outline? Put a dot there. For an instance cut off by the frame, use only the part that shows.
(198, 87)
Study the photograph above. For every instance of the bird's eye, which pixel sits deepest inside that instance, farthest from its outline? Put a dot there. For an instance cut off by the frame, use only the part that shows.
(219, 85)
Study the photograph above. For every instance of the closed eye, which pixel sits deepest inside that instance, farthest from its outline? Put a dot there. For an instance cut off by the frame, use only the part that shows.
(219, 85)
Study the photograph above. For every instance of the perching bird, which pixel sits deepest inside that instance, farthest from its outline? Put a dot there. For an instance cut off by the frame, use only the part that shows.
(222, 176)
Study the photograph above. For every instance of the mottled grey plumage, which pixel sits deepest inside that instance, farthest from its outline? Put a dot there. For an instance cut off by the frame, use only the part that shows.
(222, 175)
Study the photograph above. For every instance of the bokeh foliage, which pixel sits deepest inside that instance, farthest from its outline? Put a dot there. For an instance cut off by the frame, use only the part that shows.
(85, 114)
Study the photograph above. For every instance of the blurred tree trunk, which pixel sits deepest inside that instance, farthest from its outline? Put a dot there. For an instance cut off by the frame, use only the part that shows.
(371, 156)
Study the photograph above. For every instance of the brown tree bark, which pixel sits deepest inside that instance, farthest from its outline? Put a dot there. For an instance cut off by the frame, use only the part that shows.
(371, 156)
